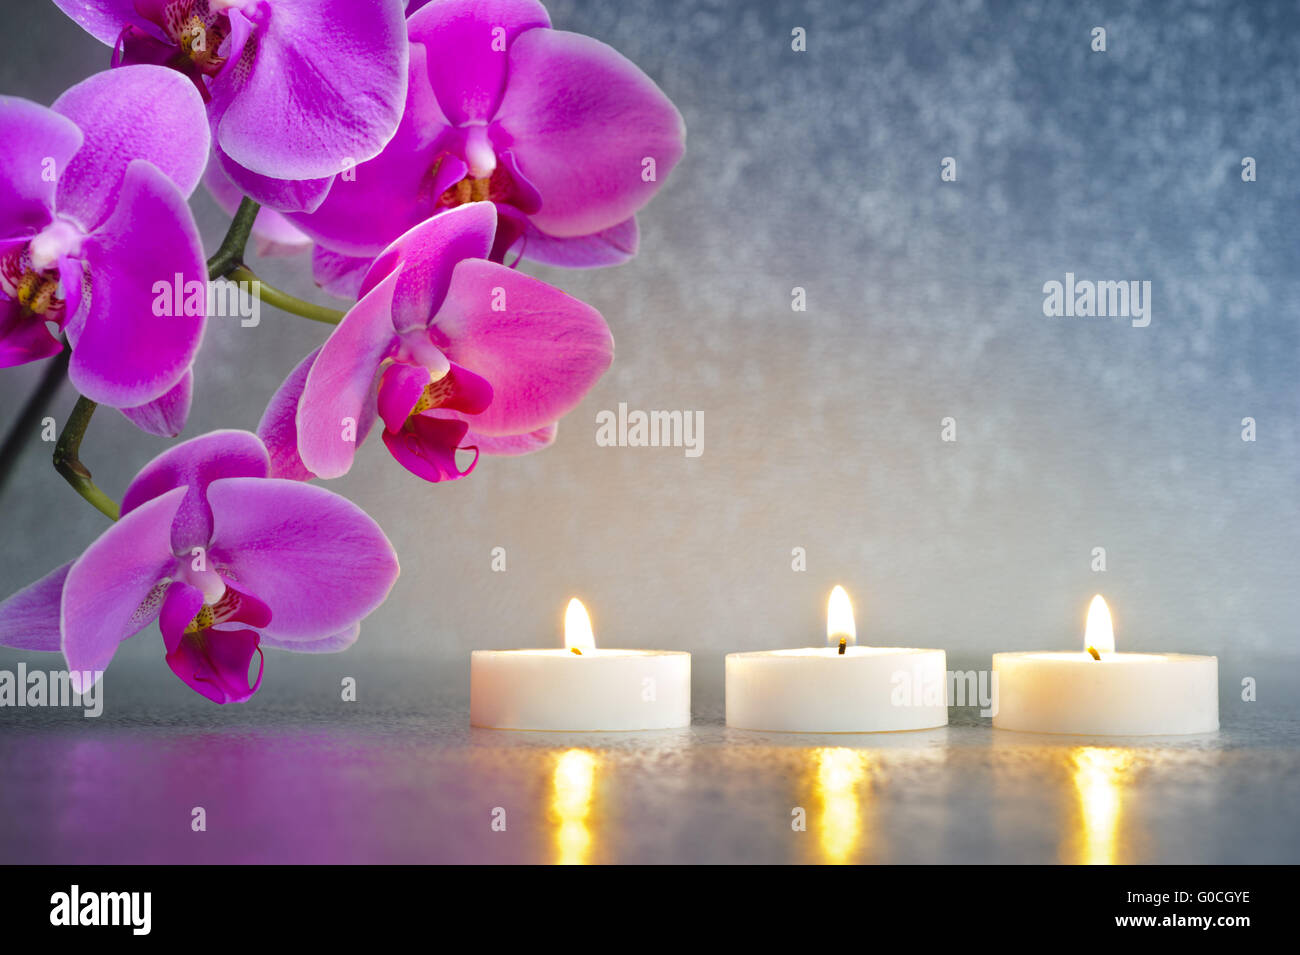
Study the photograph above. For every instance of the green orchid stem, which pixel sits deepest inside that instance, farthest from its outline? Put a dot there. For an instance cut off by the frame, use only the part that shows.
(68, 464)
(230, 254)
(283, 300)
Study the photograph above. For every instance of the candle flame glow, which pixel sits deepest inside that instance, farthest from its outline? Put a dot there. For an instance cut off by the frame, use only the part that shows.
(1100, 776)
(1099, 634)
(839, 619)
(577, 628)
(839, 773)
(573, 782)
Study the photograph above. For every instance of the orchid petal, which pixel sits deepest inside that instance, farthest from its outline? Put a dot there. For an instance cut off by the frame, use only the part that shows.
(331, 644)
(133, 113)
(23, 336)
(72, 281)
(194, 464)
(427, 254)
(512, 444)
(108, 591)
(279, 195)
(340, 384)
(325, 89)
(211, 662)
(278, 428)
(400, 388)
(165, 417)
(181, 603)
(467, 43)
(29, 620)
(104, 19)
(541, 353)
(337, 273)
(380, 199)
(427, 447)
(612, 246)
(314, 557)
(125, 354)
(36, 146)
(580, 120)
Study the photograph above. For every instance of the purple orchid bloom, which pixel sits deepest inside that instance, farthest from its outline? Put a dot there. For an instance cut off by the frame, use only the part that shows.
(451, 351)
(567, 137)
(93, 215)
(226, 560)
(297, 90)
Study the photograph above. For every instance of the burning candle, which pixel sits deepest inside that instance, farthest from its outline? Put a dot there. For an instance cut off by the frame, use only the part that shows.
(838, 688)
(580, 687)
(1099, 692)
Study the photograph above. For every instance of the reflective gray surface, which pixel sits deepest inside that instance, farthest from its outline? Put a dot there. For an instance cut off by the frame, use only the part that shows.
(399, 776)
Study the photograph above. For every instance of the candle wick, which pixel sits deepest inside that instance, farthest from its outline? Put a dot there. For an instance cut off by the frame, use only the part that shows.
(1095, 654)
(576, 650)
(844, 642)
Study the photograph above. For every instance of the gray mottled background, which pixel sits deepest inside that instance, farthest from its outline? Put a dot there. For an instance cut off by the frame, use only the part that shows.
(822, 428)
(821, 170)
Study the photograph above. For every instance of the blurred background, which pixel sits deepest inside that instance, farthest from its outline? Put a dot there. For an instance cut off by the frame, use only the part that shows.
(924, 300)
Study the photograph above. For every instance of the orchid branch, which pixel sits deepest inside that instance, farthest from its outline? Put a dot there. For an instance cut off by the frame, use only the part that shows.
(284, 301)
(230, 254)
(68, 464)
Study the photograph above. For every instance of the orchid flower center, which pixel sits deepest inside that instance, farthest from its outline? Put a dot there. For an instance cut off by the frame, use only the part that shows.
(193, 32)
(36, 290)
(495, 187)
(212, 614)
(435, 394)
(199, 38)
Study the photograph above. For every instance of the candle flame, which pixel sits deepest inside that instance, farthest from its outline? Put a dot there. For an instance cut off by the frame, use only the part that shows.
(839, 619)
(1099, 635)
(577, 628)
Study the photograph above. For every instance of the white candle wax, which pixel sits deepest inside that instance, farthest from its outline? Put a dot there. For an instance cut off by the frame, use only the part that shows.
(600, 690)
(593, 689)
(1109, 694)
(1122, 694)
(818, 690)
(838, 688)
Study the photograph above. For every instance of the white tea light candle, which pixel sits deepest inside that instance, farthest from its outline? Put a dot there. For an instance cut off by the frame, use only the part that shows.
(839, 688)
(1098, 692)
(581, 687)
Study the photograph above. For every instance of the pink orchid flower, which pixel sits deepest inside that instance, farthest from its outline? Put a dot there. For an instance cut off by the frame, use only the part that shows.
(451, 351)
(226, 560)
(296, 90)
(93, 215)
(567, 137)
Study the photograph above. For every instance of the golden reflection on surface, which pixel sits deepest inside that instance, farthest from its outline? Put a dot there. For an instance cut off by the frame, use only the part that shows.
(839, 773)
(1100, 776)
(573, 781)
